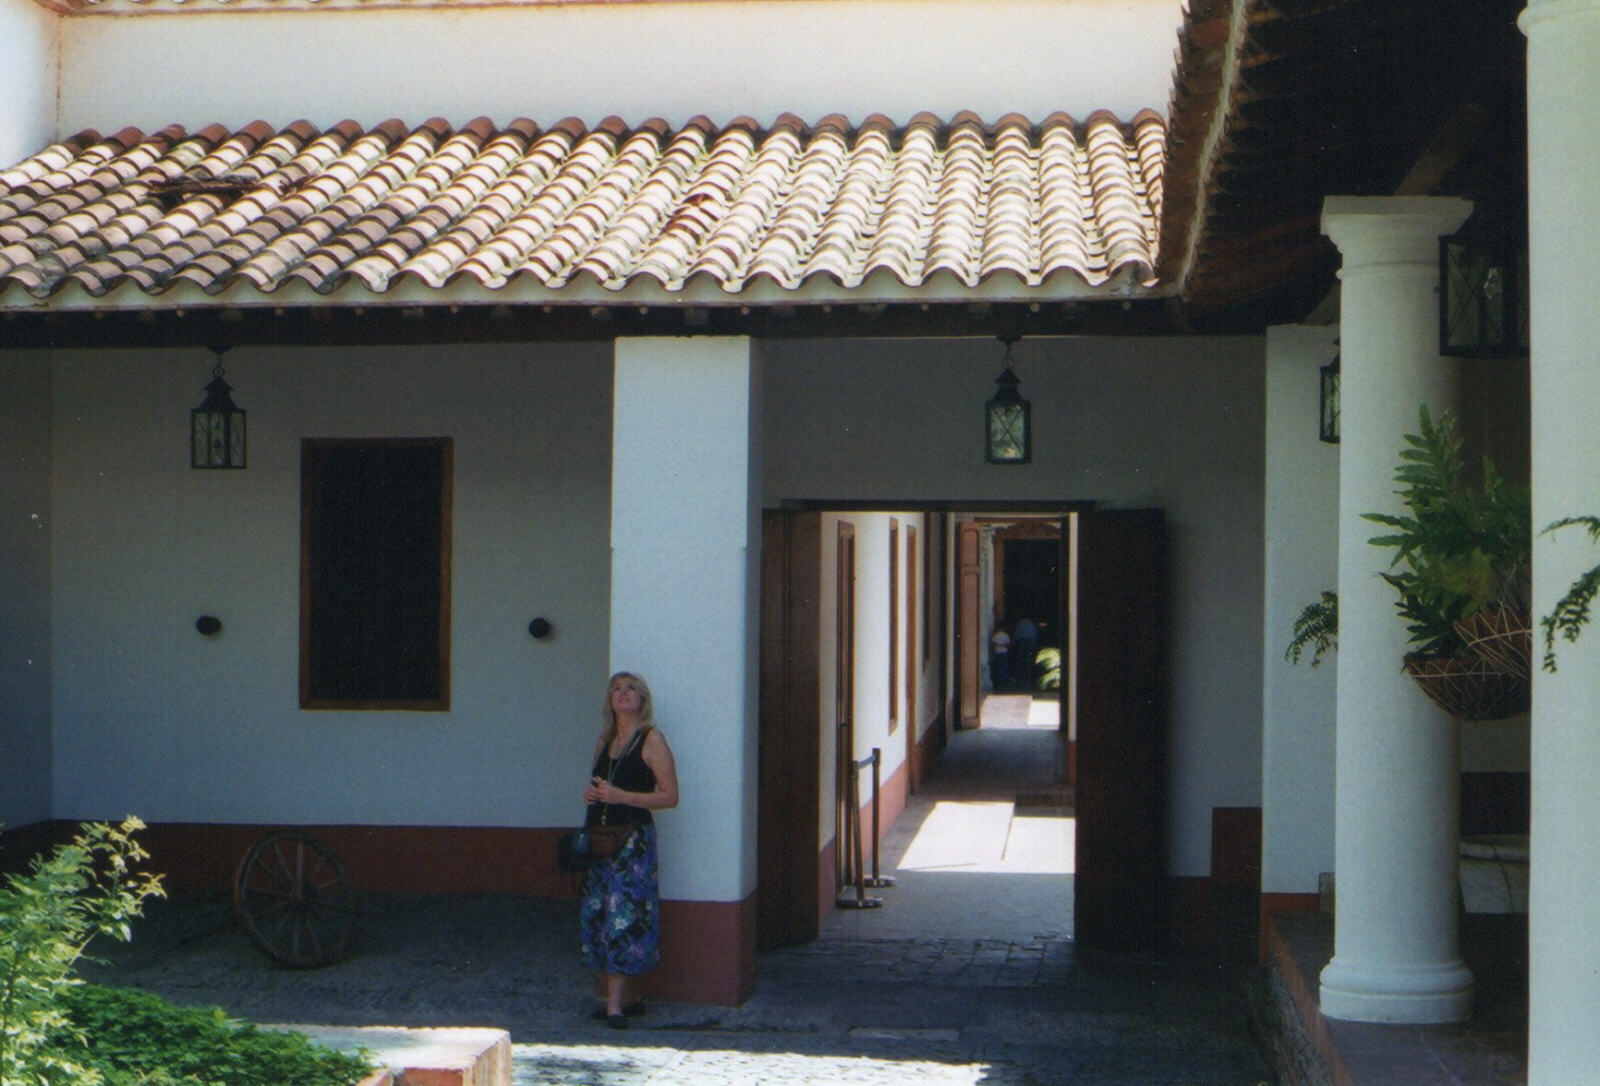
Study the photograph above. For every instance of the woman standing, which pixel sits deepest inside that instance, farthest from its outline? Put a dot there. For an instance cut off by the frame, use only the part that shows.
(633, 775)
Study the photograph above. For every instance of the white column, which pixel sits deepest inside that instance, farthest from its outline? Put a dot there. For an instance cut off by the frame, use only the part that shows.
(1563, 161)
(1396, 794)
(685, 586)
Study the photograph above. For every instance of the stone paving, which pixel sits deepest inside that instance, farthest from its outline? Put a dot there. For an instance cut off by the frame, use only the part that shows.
(1017, 1011)
(967, 975)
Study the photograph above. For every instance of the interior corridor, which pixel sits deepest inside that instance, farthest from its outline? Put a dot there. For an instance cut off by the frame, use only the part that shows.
(985, 849)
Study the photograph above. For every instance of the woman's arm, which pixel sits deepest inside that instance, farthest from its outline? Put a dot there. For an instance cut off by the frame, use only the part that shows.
(658, 756)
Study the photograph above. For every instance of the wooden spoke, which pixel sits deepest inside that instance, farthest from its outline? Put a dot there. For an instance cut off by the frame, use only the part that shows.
(295, 900)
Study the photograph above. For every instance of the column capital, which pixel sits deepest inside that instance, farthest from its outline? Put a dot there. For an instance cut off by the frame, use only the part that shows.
(1539, 12)
(1371, 230)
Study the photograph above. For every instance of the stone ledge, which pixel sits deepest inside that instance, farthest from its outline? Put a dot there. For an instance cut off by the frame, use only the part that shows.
(422, 1057)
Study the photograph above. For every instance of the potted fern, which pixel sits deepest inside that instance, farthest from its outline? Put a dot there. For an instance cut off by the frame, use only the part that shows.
(1461, 572)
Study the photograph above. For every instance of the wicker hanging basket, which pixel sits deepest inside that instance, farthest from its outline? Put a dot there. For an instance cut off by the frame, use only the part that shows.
(1504, 639)
(1468, 688)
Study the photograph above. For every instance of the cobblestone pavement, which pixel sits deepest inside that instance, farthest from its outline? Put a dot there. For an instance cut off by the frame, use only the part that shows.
(1017, 1011)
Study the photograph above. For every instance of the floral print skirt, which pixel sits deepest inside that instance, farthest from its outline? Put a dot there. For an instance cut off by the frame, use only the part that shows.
(621, 914)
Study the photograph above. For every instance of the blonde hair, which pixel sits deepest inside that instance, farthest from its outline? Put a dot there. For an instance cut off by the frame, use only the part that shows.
(644, 701)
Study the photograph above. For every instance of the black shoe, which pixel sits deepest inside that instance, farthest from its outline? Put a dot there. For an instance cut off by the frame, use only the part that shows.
(617, 1021)
(632, 1010)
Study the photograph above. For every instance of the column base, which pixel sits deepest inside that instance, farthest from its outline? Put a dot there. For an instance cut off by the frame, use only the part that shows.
(1397, 995)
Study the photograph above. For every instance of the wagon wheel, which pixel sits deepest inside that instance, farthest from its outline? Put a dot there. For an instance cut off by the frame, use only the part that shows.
(295, 900)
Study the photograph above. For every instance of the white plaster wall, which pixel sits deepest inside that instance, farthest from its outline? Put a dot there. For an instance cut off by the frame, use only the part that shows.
(670, 60)
(871, 703)
(151, 717)
(29, 47)
(683, 563)
(25, 589)
(1302, 560)
(1174, 423)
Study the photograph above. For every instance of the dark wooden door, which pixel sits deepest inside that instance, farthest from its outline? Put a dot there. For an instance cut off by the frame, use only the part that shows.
(1122, 727)
(787, 878)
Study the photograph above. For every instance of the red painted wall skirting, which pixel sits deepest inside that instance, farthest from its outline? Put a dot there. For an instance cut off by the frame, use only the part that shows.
(1273, 904)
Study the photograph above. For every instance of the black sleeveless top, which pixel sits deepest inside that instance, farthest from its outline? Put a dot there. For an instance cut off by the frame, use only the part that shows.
(631, 774)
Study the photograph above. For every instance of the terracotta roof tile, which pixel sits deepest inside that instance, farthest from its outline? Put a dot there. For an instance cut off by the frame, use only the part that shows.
(608, 204)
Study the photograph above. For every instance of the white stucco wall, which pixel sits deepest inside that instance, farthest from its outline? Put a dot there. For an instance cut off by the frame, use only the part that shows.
(871, 702)
(1302, 533)
(29, 46)
(673, 60)
(685, 588)
(1149, 422)
(153, 718)
(25, 588)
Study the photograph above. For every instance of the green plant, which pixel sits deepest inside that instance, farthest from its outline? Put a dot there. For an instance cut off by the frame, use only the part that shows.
(1458, 548)
(1316, 628)
(1571, 612)
(131, 1037)
(1047, 666)
(48, 916)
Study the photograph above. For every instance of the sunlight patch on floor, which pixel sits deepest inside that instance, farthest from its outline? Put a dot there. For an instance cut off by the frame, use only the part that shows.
(1044, 713)
(602, 1065)
(981, 836)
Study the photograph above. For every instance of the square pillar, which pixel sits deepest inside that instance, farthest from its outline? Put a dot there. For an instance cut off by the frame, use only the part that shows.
(685, 589)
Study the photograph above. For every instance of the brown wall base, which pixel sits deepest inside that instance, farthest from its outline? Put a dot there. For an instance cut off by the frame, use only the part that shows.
(379, 859)
(708, 952)
(928, 749)
(20, 844)
(1274, 904)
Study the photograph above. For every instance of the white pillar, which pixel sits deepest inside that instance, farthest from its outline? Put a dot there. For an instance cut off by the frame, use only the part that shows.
(1564, 871)
(685, 586)
(1396, 793)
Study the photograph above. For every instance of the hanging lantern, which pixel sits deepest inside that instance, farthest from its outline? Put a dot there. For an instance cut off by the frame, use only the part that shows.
(216, 427)
(1328, 430)
(1483, 303)
(1006, 431)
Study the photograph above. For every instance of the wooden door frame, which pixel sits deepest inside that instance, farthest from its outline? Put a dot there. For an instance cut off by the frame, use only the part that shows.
(913, 658)
(844, 697)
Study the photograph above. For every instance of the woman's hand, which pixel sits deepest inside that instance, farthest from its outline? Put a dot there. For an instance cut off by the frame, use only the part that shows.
(600, 791)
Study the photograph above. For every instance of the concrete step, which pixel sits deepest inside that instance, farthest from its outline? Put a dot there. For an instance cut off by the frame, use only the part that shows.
(422, 1057)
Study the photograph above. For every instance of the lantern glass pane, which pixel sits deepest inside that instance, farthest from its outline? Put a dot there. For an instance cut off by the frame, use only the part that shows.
(1007, 432)
(236, 444)
(1477, 301)
(1329, 430)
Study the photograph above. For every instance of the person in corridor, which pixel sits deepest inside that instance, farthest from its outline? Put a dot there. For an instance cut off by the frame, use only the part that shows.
(633, 774)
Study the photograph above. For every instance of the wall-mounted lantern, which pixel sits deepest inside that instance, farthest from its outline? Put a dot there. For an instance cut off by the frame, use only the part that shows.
(1007, 437)
(216, 427)
(1483, 300)
(1328, 429)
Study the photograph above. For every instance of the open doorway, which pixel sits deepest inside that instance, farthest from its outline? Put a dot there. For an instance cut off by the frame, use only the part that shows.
(975, 827)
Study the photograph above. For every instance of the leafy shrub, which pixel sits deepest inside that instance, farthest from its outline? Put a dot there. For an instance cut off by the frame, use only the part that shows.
(132, 1037)
(1571, 612)
(1047, 666)
(48, 917)
(1317, 628)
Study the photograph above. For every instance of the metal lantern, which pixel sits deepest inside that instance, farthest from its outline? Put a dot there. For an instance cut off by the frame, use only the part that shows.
(1007, 437)
(1328, 430)
(1483, 309)
(216, 427)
